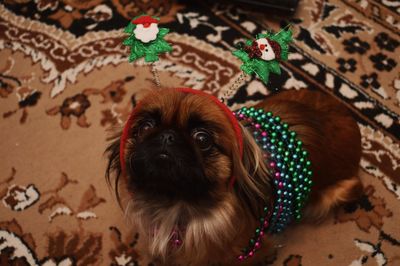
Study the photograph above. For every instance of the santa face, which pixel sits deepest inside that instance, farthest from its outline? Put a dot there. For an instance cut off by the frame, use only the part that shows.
(267, 53)
(146, 32)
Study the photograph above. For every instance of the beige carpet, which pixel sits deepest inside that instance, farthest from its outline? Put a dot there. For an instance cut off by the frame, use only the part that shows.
(64, 80)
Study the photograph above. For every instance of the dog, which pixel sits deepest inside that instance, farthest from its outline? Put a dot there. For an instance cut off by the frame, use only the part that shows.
(196, 181)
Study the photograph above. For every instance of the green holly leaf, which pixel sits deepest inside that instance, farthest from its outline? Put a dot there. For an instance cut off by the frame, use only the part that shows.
(166, 47)
(151, 57)
(127, 42)
(132, 57)
(130, 28)
(285, 36)
(285, 54)
(162, 32)
(242, 55)
(262, 35)
(249, 42)
(138, 48)
(261, 69)
(247, 68)
(275, 67)
(160, 46)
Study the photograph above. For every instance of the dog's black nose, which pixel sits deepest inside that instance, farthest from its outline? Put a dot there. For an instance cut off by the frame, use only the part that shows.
(168, 137)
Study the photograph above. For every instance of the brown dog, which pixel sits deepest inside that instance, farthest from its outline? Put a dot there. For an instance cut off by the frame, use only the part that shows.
(180, 152)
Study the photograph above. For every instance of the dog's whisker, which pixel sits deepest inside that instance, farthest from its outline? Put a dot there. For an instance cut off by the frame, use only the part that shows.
(123, 201)
(129, 211)
(127, 208)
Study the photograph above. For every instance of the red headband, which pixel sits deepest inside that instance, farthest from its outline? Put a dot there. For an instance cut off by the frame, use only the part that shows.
(228, 113)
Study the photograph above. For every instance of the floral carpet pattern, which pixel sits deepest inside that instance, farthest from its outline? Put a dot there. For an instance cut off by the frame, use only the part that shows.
(65, 80)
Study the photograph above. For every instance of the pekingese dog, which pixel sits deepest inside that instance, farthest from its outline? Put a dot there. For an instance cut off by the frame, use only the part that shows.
(195, 178)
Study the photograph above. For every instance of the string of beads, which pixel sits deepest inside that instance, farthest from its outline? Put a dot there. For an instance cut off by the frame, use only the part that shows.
(290, 170)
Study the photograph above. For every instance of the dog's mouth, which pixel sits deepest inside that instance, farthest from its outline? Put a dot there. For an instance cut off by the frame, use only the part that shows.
(162, 156)
(176, 237)
(168, 177)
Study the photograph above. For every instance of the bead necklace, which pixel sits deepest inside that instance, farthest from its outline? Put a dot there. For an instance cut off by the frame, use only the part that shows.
(290, 171)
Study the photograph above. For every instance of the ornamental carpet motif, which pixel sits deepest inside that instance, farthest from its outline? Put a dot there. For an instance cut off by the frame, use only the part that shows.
(65, 80)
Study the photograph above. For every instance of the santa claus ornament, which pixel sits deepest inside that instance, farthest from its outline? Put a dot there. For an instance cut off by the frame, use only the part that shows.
(262, 55)
(146, 39)
(146, 29)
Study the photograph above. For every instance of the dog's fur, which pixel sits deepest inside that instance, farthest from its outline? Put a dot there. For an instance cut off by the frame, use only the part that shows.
(191, 193)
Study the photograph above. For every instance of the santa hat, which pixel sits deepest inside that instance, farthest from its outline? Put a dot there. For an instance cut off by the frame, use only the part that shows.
(145, 20)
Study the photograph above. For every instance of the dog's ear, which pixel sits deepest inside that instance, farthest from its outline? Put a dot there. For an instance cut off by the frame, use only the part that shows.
(252, 185)
(114, 171)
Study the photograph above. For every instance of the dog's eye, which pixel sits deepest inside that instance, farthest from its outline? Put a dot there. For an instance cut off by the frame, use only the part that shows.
(203, 139)
(146, 125)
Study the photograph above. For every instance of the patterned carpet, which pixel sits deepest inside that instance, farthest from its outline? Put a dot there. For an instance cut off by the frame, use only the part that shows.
(64, 80)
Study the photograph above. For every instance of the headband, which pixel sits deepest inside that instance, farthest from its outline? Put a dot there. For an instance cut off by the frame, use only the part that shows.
(229, 114)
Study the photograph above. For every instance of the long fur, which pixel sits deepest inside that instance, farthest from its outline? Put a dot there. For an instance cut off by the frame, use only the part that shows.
(252, 185)
(208, 231)
(219, 231)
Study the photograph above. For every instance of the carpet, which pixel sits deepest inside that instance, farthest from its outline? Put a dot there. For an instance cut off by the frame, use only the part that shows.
(65, 80)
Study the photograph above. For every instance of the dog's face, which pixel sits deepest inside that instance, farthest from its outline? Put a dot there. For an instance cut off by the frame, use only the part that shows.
(180, 157)
(180, 149)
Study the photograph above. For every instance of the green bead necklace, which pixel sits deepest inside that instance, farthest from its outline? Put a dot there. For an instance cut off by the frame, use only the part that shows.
(290, 170)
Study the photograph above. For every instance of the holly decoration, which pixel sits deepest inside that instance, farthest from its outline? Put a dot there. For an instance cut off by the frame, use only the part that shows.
(146, 39)
(262, 55)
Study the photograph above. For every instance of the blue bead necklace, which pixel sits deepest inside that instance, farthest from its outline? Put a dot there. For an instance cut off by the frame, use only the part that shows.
(290, 169)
